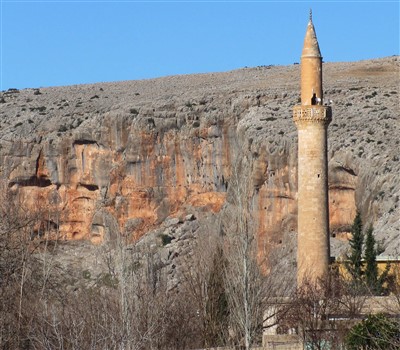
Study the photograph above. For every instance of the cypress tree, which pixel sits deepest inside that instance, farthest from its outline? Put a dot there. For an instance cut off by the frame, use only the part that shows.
(354, 264)
(374, 281)
(371, 268)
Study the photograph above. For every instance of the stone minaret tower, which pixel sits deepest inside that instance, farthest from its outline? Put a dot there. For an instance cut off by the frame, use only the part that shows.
(312, 119)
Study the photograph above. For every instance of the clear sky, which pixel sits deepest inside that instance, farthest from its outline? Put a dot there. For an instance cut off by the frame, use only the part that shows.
(53, 43)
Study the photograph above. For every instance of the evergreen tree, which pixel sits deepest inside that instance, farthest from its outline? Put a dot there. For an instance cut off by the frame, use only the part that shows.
(371, 268)
(354, 264)
(373, 280)
(375, 332)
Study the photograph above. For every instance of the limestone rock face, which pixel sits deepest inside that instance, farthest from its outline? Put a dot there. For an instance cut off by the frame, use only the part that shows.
(122, 158)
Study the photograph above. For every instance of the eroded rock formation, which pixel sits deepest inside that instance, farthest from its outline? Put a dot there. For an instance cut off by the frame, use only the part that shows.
(120, 158)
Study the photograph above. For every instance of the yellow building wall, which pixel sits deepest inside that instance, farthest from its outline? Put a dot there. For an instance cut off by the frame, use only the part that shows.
(394, 269)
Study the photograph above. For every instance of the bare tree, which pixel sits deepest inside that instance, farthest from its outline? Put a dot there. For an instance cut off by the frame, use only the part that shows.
(203, 284)
(323, 311)
(17, 265)
(139, 295)
(352, 298)
(249, 291)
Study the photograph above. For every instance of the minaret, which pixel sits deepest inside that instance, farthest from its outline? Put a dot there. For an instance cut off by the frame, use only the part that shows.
(312, 119)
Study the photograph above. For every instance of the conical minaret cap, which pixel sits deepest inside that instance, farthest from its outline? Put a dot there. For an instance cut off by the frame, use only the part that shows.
(311, 47)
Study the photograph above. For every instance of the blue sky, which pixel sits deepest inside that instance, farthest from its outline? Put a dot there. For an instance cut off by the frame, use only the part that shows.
(53, 43)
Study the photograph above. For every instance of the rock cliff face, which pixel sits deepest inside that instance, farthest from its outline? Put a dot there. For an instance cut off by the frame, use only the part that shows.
(121, 158)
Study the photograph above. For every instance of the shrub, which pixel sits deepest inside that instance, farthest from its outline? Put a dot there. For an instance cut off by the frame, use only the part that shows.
(40, 109)
(165, 239)
(62, 128)
(189, 104)
(134, 111)
(375, 332)
(372, 95)
(86, 274)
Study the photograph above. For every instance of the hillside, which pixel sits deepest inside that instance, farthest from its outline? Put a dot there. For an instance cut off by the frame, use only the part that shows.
(156, 157)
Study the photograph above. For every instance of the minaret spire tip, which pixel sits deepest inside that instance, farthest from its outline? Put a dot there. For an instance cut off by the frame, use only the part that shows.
(311, 47)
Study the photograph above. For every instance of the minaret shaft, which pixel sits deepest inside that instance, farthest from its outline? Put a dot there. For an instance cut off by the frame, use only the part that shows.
(312, 120)
(313, 218)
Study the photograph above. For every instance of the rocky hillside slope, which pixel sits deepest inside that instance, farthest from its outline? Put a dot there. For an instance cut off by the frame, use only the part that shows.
(134, 157)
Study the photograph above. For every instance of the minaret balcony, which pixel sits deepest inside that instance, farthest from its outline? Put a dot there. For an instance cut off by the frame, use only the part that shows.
(312, 113)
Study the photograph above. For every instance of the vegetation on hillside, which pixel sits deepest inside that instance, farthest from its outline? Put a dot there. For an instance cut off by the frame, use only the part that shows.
(221, 301)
